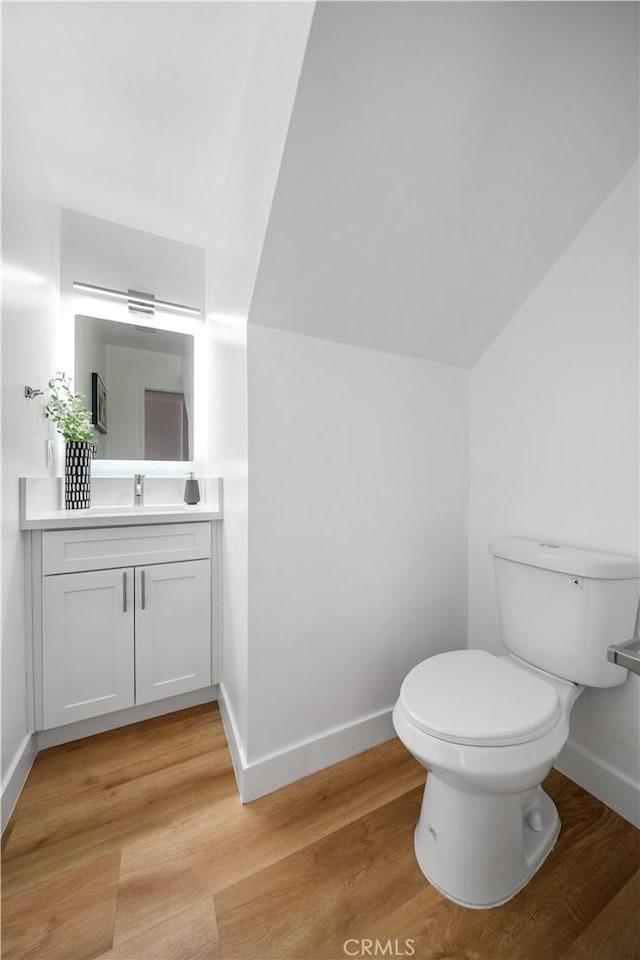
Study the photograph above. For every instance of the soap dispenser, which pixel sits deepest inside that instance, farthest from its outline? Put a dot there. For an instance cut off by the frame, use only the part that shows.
(191, 490)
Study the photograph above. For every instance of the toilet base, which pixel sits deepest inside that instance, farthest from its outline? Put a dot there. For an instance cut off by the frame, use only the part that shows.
(480, 850)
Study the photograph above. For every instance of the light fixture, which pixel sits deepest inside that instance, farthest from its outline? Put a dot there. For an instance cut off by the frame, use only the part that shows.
(138, 302)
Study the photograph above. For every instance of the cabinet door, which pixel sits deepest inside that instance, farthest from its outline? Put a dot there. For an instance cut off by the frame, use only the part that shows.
(173, 629)
(87, 637)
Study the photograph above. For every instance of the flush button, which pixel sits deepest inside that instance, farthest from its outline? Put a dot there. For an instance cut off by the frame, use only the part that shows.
(534, 819)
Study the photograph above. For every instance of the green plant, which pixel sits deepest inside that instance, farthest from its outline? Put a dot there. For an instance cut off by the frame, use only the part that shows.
(68, 410)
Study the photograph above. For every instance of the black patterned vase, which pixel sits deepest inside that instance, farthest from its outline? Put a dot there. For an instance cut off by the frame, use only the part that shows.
(78, 455)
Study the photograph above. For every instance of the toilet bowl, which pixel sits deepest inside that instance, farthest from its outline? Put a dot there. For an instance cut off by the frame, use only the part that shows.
(487, 729)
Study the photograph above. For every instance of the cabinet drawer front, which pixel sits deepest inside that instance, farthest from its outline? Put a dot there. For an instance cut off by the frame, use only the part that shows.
(71, 551)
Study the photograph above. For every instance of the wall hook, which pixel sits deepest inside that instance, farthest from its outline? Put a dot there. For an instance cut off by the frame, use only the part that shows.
(30, 393)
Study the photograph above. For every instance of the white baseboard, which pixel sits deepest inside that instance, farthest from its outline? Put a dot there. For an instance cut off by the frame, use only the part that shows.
(597, 777)
(236, 747)
(270, 772)
(15, 778)
(122, 718)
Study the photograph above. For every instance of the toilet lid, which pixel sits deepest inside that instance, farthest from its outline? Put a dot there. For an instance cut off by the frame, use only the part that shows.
(473, 697)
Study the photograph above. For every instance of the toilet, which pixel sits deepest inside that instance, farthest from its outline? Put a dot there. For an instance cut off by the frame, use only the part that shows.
(488, 728)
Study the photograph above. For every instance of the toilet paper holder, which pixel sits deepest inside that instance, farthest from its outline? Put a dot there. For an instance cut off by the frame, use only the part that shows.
(627, 654)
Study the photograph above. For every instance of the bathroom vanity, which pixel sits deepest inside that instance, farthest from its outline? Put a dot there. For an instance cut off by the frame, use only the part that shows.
(123, 609)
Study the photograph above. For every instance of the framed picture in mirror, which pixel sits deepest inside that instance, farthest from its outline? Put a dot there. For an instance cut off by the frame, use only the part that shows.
(99, 403)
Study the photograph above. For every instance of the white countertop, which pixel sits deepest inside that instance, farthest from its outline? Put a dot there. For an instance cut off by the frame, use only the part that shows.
(118, 516)
(34, 515)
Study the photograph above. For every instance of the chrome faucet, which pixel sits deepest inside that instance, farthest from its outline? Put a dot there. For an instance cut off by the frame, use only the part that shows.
(138, 490)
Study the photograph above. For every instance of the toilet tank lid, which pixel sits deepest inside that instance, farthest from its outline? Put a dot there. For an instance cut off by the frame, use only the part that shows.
(563, 559)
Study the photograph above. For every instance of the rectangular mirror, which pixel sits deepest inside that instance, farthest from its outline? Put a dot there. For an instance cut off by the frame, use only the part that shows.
(138, 382)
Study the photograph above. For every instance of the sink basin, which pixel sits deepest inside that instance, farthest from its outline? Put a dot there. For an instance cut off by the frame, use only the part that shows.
(146, 509)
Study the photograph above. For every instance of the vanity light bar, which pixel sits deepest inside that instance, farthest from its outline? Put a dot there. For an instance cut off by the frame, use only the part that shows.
(141, 303)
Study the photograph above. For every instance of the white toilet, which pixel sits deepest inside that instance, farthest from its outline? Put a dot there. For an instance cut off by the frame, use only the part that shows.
(488, 728)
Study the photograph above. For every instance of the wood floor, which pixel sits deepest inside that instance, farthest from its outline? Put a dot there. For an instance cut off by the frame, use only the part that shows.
(133, 845)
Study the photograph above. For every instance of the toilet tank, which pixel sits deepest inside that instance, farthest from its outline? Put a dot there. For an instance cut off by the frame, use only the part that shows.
(560, 607)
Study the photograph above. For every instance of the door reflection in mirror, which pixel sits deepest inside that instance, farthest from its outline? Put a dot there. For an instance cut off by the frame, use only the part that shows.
(166, 426)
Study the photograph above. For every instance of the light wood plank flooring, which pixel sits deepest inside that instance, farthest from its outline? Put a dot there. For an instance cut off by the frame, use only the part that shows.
(133, 845)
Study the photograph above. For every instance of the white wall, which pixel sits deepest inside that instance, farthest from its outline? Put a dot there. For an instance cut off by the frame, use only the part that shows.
(239, 222)
(358, 520)
(554, 442)
(136, 104)
(113, 255)
(229, 459)
(30, 253)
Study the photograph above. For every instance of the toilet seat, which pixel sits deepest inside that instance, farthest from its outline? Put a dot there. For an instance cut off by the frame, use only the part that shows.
(473, 697)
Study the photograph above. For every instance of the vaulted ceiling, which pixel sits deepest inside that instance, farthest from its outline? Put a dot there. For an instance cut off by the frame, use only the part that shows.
(440, 158)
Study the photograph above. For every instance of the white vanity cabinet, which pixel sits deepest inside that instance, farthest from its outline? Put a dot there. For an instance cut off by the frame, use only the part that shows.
(126, 616)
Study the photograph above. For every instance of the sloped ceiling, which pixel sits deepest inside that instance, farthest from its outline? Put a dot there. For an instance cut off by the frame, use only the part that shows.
(440, 158)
